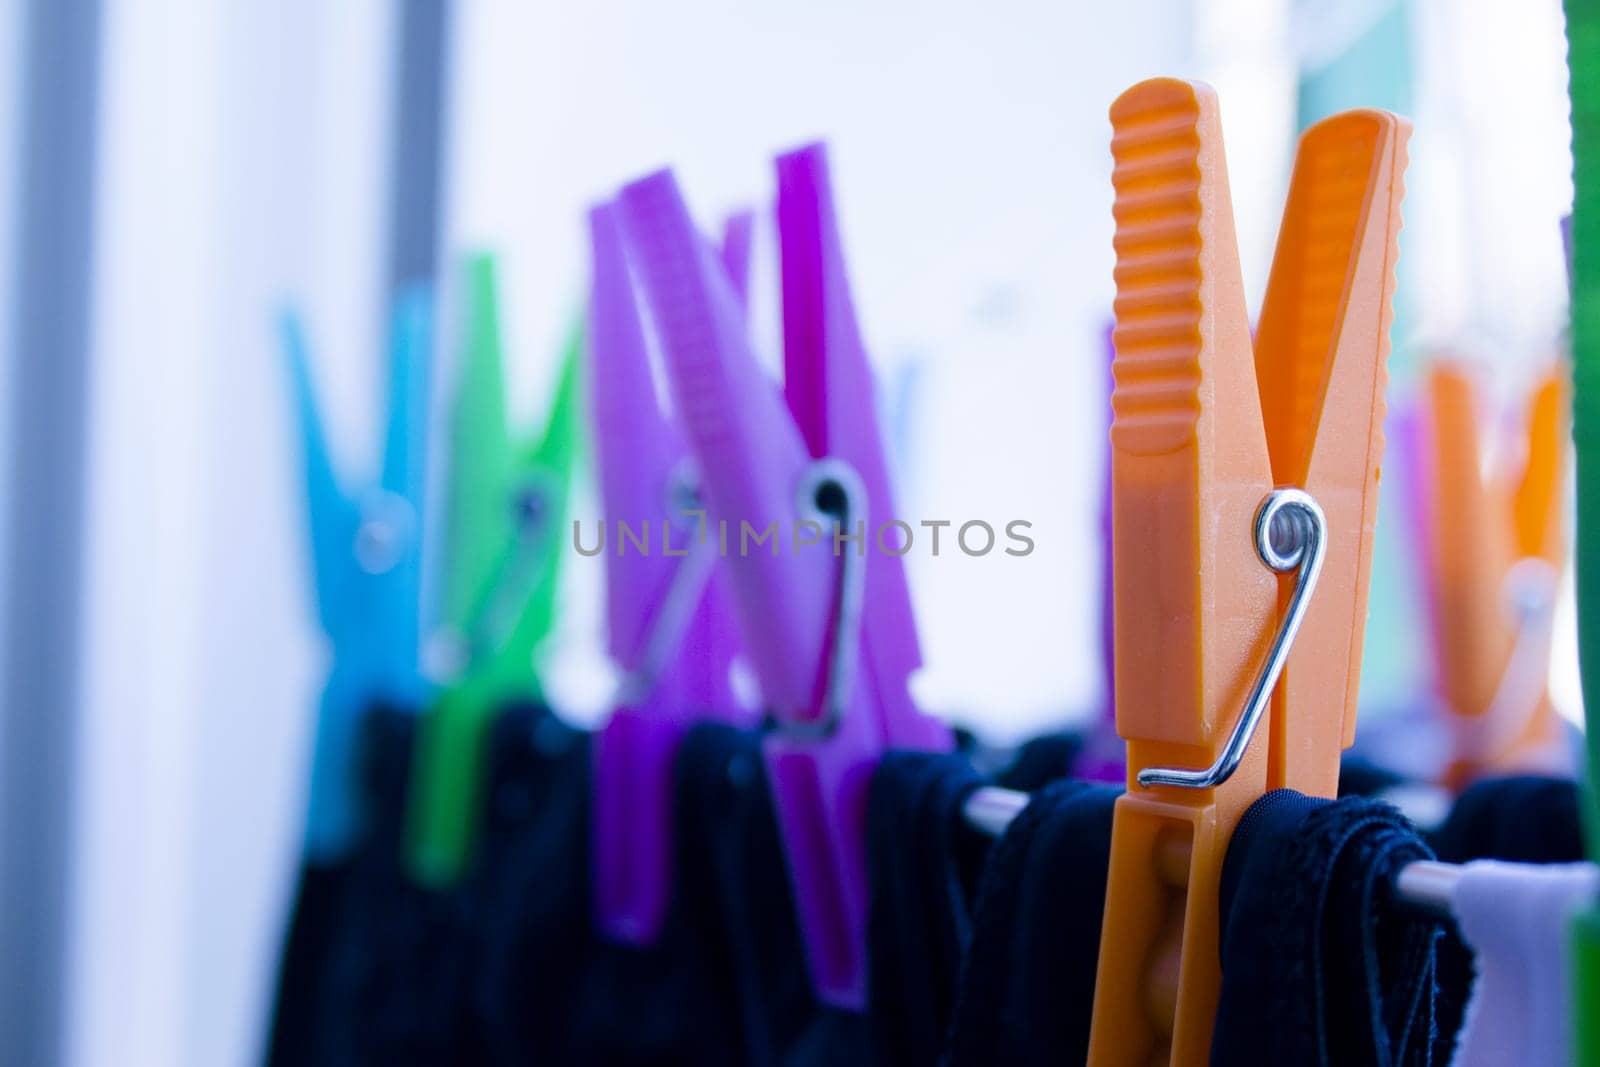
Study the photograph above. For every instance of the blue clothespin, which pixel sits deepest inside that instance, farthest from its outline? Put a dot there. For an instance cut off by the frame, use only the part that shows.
(366, 551)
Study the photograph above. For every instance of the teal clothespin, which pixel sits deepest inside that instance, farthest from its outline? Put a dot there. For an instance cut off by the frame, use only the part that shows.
(507, 508)
(366, 552)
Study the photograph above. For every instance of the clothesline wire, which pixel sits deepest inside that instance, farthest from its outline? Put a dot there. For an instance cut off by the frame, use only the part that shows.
(1426, 885)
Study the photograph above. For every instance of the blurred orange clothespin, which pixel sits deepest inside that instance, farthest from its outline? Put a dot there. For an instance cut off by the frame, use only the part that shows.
(1241, 472)
(1495, 549)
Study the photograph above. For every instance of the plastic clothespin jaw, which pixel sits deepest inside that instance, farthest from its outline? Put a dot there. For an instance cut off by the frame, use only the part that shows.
(506, 498)
(332, 516)
(391, 544)
(541, 493)
(1497, 551)
(367, 561)
(830, 391)
(1104, 758)
(1244, 477)
(824, 651)
(1538, 502)
(1108, 587)
(738, 237)
(1408, 461)
(478, 524)
(670, 627)
(1538, 499)
(507, 509)
(1583, 61)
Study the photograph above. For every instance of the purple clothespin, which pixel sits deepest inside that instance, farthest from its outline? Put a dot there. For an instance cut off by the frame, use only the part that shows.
(1407, 434)
(1108, 587)
(670, 630)
(826, 622)
(1105, 755)
(738, 235)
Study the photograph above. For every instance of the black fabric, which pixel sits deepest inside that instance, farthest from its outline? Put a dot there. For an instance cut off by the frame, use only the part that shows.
(737, 902)
(529, 876)
(396, 991)
(979, 952)
(299, 1012)
(687, 999)
(1027, 987)
(923, 863)
(1523, 819)
(724, 983)
(1319, 965)
(326, 987)
(1040, 761)
(1360, 777)
(536, 935)
(376, 969)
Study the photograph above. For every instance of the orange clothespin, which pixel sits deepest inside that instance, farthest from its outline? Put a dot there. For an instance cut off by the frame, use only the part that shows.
(1496, 549)
(1244, 497)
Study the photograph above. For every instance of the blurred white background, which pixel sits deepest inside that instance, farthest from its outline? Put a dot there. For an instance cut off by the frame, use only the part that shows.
(243, 149)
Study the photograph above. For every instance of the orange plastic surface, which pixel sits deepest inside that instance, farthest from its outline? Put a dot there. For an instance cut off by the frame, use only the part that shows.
(1481, 525)
(1538, 502)
(1204, 425)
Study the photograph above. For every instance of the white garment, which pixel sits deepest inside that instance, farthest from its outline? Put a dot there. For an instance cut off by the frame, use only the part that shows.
(1516, 916)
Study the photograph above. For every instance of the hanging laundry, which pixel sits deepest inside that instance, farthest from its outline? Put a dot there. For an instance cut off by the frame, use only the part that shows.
(923, 863)
(1027, 987)
(1361, 777)
(1516, 918)
(722, 981)
(530, 877)
(405, 962)
(1320, 964)
(297, 1022)
(400, 960)
(350, 1008)
(1041, 760)
(314, 1020)
(1526, 819)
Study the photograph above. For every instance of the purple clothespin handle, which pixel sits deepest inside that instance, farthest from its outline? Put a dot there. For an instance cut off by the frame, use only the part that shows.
(738, 236)
(669, 628)
(829, 388)
(1104, 757)
(1407, 435)
(820, 785)
(792, 592)
(752, 460)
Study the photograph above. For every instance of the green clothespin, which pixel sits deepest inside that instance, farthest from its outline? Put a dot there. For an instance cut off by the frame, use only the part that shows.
(507, 505)
(1583, 58)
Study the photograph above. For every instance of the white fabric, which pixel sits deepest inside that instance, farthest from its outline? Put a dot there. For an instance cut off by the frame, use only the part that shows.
(1515, 917)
